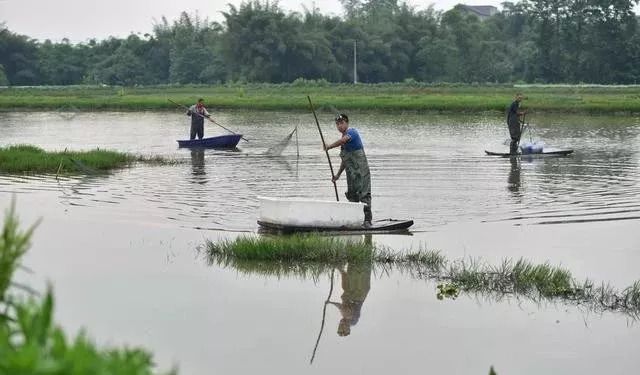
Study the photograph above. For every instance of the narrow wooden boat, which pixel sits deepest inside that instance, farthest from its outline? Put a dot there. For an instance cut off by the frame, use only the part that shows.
(544, 152)
(377, 226)
(305, 215)
(221, 141)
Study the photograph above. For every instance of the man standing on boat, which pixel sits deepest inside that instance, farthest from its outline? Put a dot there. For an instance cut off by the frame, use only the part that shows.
(513, 122)
(354, 161)
(197, 112)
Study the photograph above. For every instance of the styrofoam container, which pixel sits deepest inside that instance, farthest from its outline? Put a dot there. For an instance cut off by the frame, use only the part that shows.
(301, 212)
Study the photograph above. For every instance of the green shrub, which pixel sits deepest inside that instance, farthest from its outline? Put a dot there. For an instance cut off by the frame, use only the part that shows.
(30, 343)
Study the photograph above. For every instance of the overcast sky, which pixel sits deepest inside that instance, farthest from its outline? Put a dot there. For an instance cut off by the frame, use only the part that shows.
(81, 20)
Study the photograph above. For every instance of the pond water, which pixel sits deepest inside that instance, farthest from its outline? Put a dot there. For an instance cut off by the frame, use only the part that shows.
(124, 251)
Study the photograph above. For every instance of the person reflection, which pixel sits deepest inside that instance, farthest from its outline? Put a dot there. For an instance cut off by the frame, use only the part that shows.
(197, 162)
(513, 182)
(356, 282)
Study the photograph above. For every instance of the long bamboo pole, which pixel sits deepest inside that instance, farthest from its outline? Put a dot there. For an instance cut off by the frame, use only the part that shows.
(335, 187)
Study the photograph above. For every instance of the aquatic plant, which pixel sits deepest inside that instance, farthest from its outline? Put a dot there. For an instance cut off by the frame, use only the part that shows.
(13, 245)
(30, 343)
(310, 251)
(32, 159)
(312, 255)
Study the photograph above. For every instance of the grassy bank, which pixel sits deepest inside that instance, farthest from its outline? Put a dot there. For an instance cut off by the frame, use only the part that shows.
(401, 96)
(31, 159)
(313, 255)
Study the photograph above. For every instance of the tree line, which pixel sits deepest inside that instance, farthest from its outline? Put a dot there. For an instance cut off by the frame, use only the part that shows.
(541, 41)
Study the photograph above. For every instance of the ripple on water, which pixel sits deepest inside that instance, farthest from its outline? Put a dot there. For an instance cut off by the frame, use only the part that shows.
(429, 168)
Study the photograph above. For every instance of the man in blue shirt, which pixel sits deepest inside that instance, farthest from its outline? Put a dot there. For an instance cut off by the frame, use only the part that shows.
(513, 122)
(354, 161)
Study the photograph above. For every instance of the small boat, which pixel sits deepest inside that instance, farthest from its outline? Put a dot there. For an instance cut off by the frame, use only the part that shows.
(306, 215)
(544, 152)
(221, 141)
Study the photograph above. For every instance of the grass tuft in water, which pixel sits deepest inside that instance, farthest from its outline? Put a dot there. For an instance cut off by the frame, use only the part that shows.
(31, 159)
(303, 248)
(311, 255)
(307, 251)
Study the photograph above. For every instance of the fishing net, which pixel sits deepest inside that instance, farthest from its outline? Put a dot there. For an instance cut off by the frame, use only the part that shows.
(277, 149)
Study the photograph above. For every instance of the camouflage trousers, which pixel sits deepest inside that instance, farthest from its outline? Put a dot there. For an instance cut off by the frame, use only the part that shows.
(515, 133)
(358, 179)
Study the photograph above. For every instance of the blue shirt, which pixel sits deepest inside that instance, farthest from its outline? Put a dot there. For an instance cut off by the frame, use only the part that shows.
(354, 143)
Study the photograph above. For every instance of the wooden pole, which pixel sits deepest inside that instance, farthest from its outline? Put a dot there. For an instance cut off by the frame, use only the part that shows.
(335, 187)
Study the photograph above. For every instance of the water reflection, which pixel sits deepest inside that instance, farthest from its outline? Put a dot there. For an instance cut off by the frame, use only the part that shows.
(356, 283)
(519, 281)
(513, 181)
(599, 181)
(198, 166)
(287, 164)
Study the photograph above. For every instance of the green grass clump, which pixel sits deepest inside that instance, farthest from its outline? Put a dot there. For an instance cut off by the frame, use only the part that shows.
(31, 159)
(30, 342)
(311, 255)
(548, 280)
(303, 248)
(521, 277)
(13, 245)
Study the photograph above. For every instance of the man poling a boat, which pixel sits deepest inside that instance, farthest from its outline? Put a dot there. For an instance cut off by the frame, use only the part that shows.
(354, 162)
(197, 112)
(514, 123)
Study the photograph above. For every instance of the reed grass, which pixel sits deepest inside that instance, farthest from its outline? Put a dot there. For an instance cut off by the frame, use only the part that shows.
(311, 255)
(14, 244)
(292, 96)
(31, 159)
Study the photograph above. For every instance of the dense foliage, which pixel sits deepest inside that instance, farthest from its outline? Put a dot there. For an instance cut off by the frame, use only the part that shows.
(546, 41)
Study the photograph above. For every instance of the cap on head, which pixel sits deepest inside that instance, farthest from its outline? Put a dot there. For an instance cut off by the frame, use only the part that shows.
(342, 117)
(201, 100)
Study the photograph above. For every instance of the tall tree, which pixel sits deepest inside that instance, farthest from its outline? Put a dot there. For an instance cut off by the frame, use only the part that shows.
(18, 56)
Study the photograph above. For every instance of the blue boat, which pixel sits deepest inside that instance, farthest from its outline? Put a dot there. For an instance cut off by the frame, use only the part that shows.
(221, 141)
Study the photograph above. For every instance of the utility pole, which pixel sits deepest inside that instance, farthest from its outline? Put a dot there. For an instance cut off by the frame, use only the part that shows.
(355, 62)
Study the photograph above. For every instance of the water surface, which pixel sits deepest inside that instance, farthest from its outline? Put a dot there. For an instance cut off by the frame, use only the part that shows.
(121, 250)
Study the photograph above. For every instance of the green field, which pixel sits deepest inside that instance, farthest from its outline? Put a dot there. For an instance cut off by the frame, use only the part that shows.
(400, 96)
